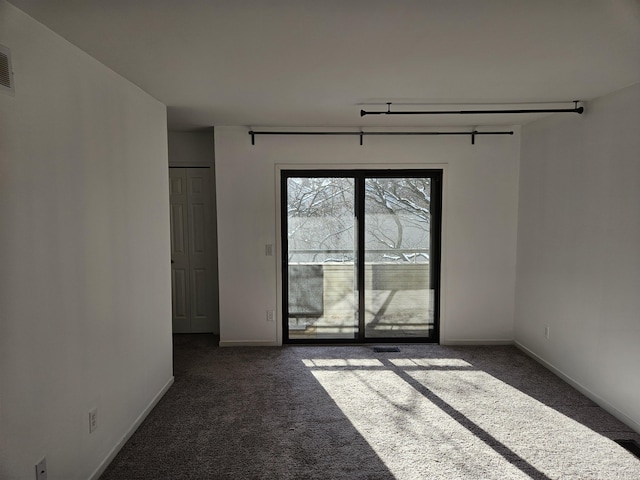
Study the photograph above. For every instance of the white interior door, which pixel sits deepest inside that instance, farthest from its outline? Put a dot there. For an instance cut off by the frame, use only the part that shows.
(192, 271)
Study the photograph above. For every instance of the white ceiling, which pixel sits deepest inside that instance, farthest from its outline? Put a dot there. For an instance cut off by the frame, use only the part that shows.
(318, 62)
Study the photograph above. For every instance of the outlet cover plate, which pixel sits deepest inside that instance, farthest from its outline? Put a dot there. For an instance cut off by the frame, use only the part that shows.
(93, 419)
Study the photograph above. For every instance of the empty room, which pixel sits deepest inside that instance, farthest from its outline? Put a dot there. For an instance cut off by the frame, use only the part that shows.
(321, 239)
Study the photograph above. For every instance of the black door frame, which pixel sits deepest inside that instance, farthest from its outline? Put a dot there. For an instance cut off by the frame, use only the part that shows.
(359, 175)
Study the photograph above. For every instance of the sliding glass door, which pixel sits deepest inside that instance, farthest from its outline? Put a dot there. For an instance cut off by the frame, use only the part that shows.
(360, 255)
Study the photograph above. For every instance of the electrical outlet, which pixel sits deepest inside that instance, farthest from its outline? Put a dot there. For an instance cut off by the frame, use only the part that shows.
(546, 332)
(271, 316)
(93, 419)
(41, 469)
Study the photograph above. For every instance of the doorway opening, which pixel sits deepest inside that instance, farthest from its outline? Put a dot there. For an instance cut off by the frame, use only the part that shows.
(361, 255)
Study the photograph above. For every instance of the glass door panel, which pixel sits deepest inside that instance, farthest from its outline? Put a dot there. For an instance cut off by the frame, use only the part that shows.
(320, 248)
(399, 291)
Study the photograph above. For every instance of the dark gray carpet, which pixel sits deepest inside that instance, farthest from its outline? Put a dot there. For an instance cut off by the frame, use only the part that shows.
(347, 412)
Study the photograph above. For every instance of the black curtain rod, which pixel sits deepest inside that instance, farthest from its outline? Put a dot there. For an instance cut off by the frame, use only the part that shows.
(576, 109)
(473, 134)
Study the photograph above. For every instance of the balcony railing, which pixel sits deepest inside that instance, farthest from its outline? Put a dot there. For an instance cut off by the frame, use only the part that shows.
(410, 255)
(319, 286)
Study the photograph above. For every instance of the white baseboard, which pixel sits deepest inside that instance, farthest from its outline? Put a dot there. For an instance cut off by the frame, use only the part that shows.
(246, 343)
(249, 343)
(461, 342)
(582, 389)
(118, 446)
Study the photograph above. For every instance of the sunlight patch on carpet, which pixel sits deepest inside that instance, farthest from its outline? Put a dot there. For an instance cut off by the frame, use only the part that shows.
(442, 423)
(342, 362)
(413, 437)
(429, 362)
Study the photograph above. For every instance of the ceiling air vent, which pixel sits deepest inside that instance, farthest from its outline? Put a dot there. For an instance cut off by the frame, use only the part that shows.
(6, 73)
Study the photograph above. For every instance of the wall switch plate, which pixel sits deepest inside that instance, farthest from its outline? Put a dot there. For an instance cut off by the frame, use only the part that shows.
(268, 250)
(93, 419)
(41, 469)
(546, 332)
(271, 316)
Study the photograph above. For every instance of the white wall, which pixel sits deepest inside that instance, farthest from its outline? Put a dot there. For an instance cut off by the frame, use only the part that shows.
(191, 148)
(579, 249)
(85, 313)
(479, 230)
